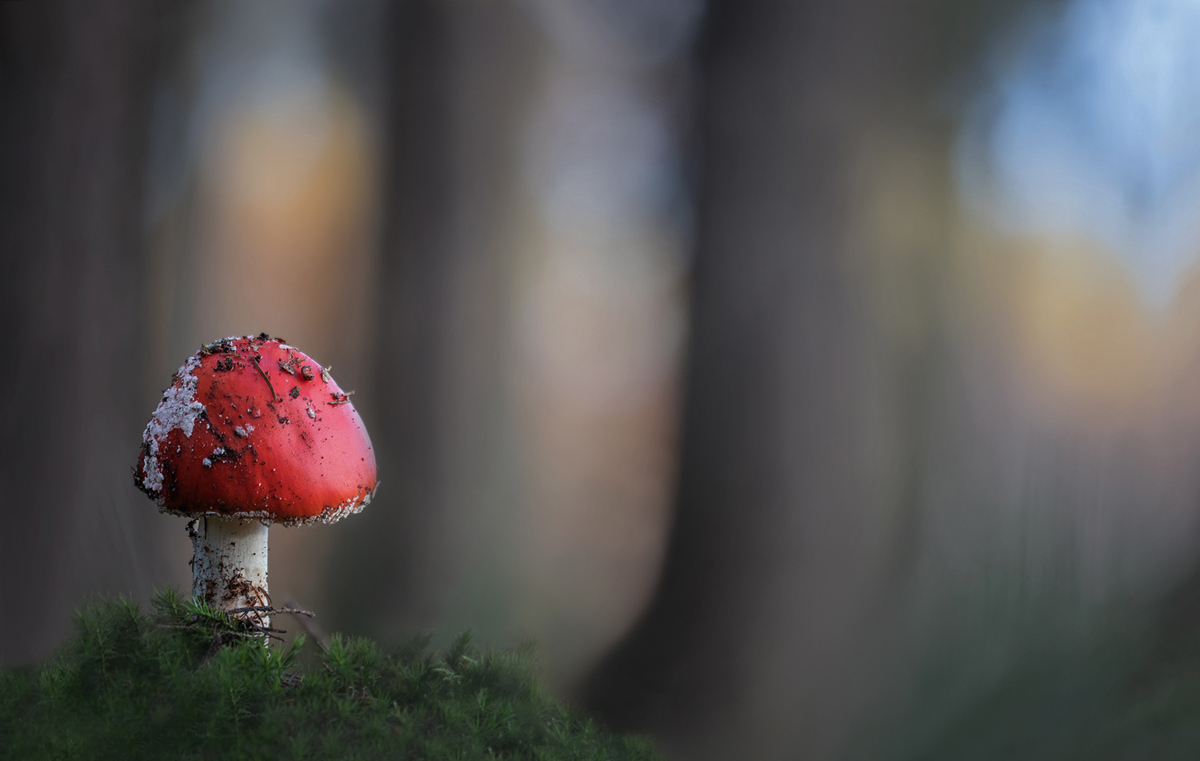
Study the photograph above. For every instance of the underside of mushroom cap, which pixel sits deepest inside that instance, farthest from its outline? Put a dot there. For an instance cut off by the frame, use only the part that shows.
(253, 428)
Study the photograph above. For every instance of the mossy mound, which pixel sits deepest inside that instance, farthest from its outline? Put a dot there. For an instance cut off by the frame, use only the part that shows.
(187, 683)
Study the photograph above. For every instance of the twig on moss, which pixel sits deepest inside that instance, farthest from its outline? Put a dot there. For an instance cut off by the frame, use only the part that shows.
(311, 628)
(272, 611)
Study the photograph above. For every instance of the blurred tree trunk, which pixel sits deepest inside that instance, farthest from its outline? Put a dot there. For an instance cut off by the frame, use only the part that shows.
(761, 640)
(459, 77)
(75, 91)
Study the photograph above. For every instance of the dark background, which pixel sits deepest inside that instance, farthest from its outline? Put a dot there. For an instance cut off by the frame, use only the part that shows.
(813, 380)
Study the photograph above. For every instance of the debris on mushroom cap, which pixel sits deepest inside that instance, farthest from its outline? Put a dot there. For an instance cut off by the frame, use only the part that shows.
(178, 410)
(286, 467)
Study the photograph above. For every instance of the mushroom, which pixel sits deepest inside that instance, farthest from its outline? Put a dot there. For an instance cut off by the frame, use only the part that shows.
(252, 432)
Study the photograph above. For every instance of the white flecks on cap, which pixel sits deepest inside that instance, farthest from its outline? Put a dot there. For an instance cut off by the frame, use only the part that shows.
(331, 513)
(177, 410)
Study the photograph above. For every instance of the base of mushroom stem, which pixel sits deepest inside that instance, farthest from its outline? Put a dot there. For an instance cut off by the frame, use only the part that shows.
(229, 563)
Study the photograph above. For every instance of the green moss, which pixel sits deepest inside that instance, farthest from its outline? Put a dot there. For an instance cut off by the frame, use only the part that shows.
(187, 683)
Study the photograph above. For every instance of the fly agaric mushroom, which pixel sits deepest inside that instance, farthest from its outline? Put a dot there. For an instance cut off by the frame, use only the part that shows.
(251, 432)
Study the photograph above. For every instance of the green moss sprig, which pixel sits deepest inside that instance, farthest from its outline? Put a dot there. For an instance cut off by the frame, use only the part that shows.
(190, 683)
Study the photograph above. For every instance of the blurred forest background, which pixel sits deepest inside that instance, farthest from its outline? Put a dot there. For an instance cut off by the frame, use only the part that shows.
(813, 379)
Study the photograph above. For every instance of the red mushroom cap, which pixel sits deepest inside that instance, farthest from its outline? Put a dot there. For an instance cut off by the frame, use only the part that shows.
(253, 428)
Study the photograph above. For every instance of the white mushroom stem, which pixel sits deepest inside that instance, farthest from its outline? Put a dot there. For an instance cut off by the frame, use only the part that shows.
(229, 563)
